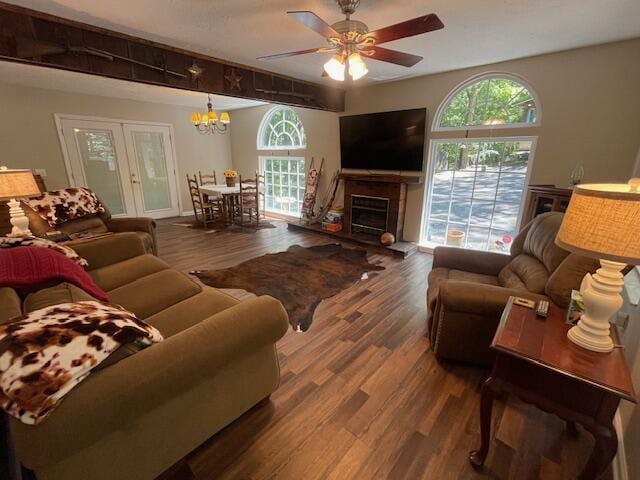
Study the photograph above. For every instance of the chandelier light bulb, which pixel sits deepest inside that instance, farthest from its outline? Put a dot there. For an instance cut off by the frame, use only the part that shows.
(357, 67)
(335, 67)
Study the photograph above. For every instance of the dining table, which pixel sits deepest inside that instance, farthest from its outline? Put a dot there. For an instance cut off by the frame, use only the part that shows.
(228, 195)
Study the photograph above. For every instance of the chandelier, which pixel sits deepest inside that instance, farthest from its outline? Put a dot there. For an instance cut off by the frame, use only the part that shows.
(209, 122)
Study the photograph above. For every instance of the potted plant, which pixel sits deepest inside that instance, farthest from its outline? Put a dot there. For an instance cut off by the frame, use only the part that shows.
(230, 177)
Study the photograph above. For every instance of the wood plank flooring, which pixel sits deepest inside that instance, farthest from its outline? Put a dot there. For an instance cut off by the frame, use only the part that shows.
(361, 395)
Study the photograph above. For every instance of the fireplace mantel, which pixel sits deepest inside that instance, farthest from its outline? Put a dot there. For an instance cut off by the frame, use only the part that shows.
(383, 178)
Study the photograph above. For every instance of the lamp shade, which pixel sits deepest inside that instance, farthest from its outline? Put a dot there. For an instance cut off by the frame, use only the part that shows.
(603, 221)
(17, 183)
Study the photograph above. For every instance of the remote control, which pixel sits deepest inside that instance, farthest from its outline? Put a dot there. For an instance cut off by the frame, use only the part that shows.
(542, 308)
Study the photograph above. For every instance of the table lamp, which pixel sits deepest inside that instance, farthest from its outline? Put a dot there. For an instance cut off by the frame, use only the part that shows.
(17, 184)
(603, 222)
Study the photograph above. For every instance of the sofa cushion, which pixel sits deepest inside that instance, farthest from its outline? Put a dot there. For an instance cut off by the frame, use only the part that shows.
(119, 274)
(10, 305)
(191, 311)
(61, 293)
(92, 223)
(153, 293)
(540, 241)
(439, 275)
(524, 273)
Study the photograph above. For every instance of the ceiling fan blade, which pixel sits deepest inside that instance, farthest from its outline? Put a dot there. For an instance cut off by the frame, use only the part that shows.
(315, 23)
(289, 54)
(416, 26)
(391, 56)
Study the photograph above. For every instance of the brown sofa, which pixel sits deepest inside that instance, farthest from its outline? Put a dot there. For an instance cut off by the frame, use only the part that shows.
(469, 289)
(135, 418)
(144, 227)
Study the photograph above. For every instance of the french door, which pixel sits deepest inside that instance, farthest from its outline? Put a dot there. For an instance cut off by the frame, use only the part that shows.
(129, 165)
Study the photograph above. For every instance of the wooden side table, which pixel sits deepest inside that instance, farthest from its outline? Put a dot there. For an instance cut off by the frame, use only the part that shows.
(538, 363)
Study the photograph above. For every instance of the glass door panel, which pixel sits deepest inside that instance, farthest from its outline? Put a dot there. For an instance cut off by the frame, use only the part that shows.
(100, 165)
(152, 170)
(97, 159)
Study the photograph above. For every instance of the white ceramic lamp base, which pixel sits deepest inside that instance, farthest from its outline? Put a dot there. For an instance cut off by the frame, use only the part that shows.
(19, 220)
(602, 299)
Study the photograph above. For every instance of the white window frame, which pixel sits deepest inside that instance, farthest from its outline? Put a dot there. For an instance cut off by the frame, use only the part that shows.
(266, 124)
(478, 78)
(433, 146)
(262, 161)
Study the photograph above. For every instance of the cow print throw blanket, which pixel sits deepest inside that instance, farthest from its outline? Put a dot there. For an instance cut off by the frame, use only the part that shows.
(60, 206)
(46, 353)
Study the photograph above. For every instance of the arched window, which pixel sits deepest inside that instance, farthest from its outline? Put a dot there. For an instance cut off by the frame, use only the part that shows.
(281, 129)
(477, 181)
(489, 101)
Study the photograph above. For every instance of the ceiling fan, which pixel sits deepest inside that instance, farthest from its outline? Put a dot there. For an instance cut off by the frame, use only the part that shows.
(351, 39)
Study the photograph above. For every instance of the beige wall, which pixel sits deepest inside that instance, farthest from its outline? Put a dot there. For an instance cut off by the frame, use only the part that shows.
(590, 103)
(590, 115)
(322, 133)
(29, 138)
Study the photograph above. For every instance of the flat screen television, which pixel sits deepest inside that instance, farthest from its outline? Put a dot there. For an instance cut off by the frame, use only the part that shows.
(384, 141)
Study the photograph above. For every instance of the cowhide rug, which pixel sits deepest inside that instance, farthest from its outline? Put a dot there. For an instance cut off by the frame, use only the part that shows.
(300, 277)
(249, 227)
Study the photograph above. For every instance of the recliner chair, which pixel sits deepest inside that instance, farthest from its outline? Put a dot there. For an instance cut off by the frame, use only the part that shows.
(469, 289)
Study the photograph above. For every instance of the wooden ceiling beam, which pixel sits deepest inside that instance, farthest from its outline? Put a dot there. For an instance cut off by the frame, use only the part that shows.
(36, 38)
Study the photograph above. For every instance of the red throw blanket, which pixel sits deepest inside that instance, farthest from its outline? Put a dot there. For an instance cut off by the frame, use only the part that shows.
(33, 266)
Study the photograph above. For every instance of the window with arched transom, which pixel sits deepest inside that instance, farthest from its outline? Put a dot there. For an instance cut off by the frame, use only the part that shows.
(477, 177)
(489, 101)
(281, 129)
(280, 133)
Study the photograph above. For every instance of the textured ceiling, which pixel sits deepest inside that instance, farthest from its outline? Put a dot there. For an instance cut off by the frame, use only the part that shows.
(64, 81)
(476, 31)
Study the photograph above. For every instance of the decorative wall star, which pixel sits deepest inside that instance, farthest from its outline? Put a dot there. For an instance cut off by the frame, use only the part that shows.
(234, 80)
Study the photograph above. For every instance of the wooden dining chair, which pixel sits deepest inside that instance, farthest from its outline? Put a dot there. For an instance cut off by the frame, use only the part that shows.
(250, 198)
(204, 211)
(206, 178)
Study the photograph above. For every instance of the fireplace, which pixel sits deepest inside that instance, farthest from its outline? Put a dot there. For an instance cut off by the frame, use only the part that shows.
(369, 214)
(374, 204)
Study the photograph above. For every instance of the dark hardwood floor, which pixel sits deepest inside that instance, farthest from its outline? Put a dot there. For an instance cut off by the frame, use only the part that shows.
(362, 397)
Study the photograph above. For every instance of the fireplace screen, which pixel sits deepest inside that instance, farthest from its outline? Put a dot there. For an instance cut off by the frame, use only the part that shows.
(369, 214)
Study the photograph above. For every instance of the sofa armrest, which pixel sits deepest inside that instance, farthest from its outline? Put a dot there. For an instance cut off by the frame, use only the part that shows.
(478, 298)
(113, 398)
(466, 318)
(487, 263)
(135, 224)
(107, 250)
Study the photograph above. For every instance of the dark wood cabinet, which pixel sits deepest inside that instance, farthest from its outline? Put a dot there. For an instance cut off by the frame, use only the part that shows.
(543, 199)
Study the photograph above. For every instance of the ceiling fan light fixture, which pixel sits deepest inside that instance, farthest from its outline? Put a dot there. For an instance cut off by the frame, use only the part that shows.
(357, 67)
(335, 67)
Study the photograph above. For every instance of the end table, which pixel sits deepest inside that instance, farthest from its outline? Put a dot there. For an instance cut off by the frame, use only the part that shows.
(538, 363)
